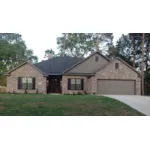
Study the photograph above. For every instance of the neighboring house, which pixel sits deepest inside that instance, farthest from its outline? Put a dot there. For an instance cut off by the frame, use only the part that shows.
(95, 74)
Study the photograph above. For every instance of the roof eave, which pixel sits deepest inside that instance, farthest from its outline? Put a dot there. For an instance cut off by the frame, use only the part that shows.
(77, 74)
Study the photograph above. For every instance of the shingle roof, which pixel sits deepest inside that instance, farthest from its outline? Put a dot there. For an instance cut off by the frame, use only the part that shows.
(56, 65)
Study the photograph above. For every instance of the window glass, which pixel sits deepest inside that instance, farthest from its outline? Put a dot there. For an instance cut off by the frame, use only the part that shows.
(24, 80)
(76, 84)
(30, 80)
(78, 81)
(72, 81)
(26, 83)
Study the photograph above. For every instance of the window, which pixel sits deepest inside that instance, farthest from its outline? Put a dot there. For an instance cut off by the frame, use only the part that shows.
(75, 84)
(96, 58)
(117, 65)
(26, 83)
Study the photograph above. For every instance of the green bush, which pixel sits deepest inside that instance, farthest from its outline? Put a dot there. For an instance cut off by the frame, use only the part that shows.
(3, 89)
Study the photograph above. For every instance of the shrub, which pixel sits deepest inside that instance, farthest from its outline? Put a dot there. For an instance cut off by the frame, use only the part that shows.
(3, 89)
(37, 91)
(25, 91)
(79, 93)
(73, 93)
(85, 93)
(14, 92)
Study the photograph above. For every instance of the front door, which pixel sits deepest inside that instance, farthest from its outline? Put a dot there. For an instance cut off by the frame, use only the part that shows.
(54, 85)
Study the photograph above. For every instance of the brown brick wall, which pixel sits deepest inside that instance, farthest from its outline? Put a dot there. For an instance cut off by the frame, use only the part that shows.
(65, 84)
(26, 70)
(109, 72)
(124, 72)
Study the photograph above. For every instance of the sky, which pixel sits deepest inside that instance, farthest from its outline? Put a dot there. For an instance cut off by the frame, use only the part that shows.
(40, 22)
(48, 41)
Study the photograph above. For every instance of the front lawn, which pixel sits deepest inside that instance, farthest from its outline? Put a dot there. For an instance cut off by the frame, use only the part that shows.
(62, 105)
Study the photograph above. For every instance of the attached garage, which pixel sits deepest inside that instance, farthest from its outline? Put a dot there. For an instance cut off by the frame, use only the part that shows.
(120, 87)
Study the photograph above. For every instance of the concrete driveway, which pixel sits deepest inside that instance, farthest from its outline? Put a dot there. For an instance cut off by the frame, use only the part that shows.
(140, 103)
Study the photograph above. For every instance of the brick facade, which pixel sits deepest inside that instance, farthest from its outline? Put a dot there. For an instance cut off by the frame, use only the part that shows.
(90, 83)
(65, 84)
(26, 70)
(109, 72)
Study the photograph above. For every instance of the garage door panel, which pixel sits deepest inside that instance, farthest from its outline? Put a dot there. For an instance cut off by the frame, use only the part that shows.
(126, 87)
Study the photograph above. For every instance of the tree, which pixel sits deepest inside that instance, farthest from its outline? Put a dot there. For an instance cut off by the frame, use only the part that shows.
(13, 51)
(81, 44)
(29, 56)
(49, 53)
(129, 48)
(122, 49)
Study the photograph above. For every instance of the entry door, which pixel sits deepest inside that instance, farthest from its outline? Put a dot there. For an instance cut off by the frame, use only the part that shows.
(54, 86)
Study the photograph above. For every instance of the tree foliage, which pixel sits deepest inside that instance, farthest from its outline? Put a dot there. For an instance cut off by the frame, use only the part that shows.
(49, 53)
(81, 44)
(124, 49)
(13, 51)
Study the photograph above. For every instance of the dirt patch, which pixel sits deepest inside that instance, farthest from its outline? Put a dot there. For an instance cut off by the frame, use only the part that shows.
(31, 105)
(74, 106)
(124, 113)
(41, 103)
(2, 108)
(85, 106)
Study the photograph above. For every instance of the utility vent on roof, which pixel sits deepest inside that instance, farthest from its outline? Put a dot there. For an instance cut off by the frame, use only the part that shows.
(96, 58)
(117, 65)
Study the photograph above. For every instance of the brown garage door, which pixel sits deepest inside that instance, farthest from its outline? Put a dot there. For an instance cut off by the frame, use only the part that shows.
(122, 87)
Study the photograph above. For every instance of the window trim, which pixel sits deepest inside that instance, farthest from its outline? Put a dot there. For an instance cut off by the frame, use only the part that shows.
(27, 87)
(82, 84)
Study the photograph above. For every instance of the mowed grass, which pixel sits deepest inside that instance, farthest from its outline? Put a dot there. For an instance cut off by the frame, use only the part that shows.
(62, 105)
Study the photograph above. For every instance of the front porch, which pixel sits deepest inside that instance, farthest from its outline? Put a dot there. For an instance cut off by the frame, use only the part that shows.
(54, 84)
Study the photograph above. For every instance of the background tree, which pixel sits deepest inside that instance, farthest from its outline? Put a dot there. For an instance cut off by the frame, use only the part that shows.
(122, 49)
(49, 53)
(30, 56)
(129, 48)
(13, 51)
(81, 44)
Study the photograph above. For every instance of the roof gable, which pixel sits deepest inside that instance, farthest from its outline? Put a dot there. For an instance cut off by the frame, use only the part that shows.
(23, 65)
(117, 58)
(85, 60)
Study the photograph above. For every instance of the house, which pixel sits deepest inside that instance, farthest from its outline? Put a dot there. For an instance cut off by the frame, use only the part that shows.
(95, 74)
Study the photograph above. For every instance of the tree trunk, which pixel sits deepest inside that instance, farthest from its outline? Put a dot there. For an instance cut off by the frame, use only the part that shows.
(142, 70)
(97, 43)
(134, 53)
(64, 44)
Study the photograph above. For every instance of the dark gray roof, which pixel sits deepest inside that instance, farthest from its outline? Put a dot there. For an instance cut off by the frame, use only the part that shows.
(56, 65)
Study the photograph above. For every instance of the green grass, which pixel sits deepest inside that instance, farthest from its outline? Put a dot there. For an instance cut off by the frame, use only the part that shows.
(62, 105)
